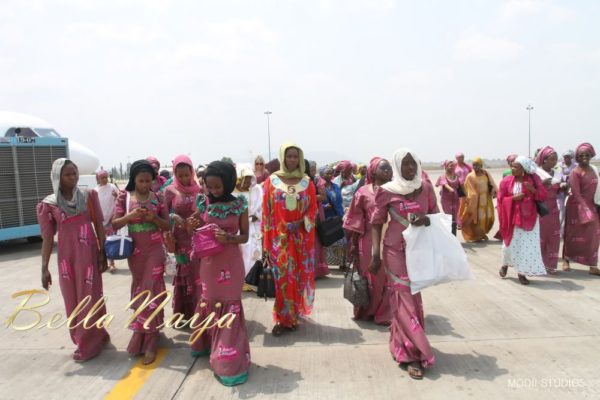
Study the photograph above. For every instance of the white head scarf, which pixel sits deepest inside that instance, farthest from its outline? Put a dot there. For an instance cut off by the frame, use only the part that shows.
(398, 184)
(528, 164)
(77, 204)
(569, 153)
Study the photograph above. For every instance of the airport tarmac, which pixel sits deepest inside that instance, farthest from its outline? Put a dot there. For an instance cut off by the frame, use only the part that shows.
(493, 339)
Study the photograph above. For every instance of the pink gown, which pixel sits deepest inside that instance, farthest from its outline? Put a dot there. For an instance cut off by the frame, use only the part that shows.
(408, 342)
(222, 277)
(550, 229)
(449, 200)
(186, 283)
(147, 266)
(358, 219)
(582, 239)
(78, 267)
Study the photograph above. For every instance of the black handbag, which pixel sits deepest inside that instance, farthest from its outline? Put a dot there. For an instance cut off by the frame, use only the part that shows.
(356, 288)
(253, 276)
(542, 208)
(330, 231)
(266, 283)
(460, 191)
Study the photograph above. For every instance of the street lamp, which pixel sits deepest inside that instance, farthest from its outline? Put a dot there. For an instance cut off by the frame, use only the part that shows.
(268, 113)
(529, 108)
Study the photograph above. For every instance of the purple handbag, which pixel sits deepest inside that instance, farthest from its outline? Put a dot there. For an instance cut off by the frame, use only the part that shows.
(204, 243)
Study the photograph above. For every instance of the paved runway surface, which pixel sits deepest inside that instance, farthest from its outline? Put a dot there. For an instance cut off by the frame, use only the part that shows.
(493, 339)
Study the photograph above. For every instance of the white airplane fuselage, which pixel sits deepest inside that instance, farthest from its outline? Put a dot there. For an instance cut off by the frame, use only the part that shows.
(86, 160)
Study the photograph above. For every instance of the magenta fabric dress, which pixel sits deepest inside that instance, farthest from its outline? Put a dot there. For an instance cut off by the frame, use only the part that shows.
(408, 342)
(358, 219)
(186, 282)
(550, 229)
(582, 239)
(449, 200)
(222, 277)
(78, 267)
(147, 266)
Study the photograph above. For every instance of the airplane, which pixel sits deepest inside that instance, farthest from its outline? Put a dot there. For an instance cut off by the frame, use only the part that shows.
(23, 125)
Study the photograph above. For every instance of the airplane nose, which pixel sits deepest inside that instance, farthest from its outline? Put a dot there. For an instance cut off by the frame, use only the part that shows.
(86, 160)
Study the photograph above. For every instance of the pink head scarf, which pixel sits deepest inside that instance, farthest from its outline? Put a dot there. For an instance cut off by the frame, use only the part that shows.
(544, 153)
(154, 161)
(371, 170)
(459, 155)
(101, 174)
(511, 157)
(344, 166)
(446, 163)
(192, 188)
(585, 147)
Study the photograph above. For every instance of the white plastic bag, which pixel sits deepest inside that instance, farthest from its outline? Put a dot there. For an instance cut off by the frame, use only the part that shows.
(434, 255)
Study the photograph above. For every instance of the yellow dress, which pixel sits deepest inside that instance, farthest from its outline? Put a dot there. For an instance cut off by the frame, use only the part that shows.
(477, 210)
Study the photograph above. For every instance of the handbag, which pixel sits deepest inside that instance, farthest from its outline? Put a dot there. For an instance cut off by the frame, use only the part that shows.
(120, 245)
(204, 243)
(266, 283)
(253, 276)
(356, 288)
(540, 206)
(330, 231)
(460, 191)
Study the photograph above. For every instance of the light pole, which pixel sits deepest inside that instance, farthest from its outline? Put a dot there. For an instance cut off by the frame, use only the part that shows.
(529, 108)
(268, 113)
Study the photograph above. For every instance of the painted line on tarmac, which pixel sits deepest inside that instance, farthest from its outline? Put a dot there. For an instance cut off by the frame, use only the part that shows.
(131, 383)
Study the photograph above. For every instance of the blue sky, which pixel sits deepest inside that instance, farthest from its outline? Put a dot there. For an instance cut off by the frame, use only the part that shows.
(353, 78)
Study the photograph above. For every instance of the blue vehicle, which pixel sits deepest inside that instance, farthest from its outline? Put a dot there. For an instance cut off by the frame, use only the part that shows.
(25, 165)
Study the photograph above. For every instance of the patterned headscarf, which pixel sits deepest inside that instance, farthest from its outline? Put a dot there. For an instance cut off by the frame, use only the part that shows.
(136, 168)
(544, 153)
(226, 172)
(527, 164)
(192, 188)
(585, 147)
(398, 184)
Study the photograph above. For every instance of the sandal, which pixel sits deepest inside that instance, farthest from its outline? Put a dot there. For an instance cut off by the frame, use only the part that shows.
(277, 330)
(523, 279)
(112, 269)
(503, 271)
(566, 266)
(149, 357)
(552, 272)
(594, 271)
(415, 371)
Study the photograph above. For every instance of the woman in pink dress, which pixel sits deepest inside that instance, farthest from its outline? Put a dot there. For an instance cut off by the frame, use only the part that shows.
(547, 159)
(407, 200)
(179, 200)
(146, 218)
(582, 226)
(71, 212)
(222, 276)
(358, 221)
(449, 184)
(107, 194)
